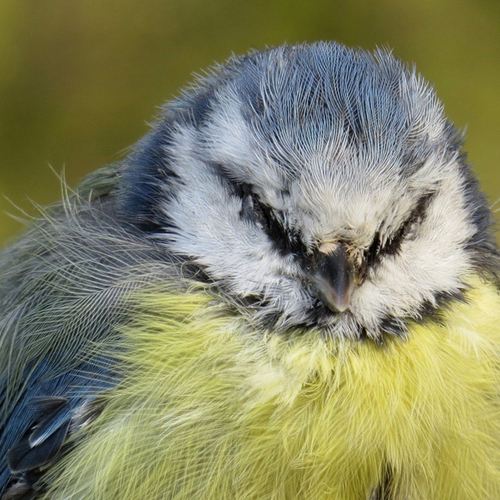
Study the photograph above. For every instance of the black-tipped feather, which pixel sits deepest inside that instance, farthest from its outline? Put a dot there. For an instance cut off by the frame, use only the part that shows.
(23, 457)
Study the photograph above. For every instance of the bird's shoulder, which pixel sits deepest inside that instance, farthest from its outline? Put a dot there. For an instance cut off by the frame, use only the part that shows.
(65, 286)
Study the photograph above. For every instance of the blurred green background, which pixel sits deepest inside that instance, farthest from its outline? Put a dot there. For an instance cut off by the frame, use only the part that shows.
(79, 79)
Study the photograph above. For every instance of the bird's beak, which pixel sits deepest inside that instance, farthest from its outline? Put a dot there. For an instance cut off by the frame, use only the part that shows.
(333, 279)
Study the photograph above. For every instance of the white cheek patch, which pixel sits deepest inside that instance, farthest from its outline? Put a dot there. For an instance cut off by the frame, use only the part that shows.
(212, 231)
(434, 262)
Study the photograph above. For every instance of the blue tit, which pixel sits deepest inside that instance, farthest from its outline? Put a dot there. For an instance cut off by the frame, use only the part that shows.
(289, 289)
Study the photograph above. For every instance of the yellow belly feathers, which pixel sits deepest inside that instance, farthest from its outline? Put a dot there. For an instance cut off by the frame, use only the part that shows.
(209, 409)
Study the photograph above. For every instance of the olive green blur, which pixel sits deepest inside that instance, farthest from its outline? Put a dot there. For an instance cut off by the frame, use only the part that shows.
(79, 79)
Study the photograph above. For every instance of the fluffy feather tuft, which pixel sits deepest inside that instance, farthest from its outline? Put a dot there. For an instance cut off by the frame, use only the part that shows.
(209, 410)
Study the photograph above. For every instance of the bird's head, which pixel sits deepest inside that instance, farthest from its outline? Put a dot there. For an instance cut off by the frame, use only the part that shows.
(314, 185)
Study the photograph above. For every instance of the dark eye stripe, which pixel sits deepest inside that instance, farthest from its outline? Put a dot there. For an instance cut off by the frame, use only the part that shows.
(285, 240)
(393, 245)
(371, 255)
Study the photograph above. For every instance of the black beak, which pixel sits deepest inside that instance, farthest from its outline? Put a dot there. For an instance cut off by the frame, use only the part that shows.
(333, 280)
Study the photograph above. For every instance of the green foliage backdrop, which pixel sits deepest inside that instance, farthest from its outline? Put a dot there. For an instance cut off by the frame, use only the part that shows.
(79, 79)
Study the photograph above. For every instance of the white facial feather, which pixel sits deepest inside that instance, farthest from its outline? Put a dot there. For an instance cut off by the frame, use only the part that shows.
(342, 157)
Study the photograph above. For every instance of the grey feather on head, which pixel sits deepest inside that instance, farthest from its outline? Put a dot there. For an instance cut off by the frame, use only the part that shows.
(283, 158)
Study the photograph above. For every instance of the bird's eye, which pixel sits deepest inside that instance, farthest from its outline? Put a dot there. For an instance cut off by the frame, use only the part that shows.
(254, 211)
(411, 226)
(371, 255)
(286, 240)
(407, 231)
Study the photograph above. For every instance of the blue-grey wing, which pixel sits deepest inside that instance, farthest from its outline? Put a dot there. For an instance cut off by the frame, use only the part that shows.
(64, 287)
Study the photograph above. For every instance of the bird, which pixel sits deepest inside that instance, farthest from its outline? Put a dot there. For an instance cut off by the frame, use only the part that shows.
(288, 289)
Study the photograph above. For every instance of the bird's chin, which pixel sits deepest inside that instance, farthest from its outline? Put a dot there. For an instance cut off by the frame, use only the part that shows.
(318, 319)
(346, 325)
(335, 324)
(309, 314)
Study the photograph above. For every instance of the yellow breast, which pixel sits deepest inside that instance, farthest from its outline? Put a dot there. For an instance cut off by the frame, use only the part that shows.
(211, 410)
